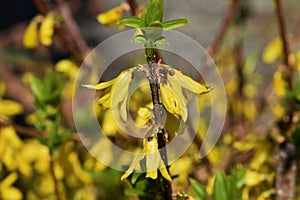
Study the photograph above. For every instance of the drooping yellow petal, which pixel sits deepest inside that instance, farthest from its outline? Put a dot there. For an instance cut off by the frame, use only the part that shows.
(272, 51)
(47, 29)
(30, 37)
(152, 164)
(187, 82)
(174, 101)
(99, 86)
(9, 180)
(11, 193)
(111, 16)
(123, 110)
(164, 172)
(279, 84)
(105, 100)
(134, 163)
(120, 88)
(8, 107)
(67, 67)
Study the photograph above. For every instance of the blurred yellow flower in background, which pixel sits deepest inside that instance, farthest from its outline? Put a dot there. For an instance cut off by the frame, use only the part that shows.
(7, 190)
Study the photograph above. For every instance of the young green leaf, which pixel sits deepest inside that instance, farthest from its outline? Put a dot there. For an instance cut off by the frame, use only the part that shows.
(139, 39)
(37, 88)
(161, 40)
(198, 189)
(176, 23)
(153, 12)
(221, 187)
(132, 21)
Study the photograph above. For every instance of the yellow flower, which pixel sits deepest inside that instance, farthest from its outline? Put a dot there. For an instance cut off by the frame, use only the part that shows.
(33, 155)
(253, 178)
(153, 161)
(47, 29)
(7, 191)
(68, 67)
(272, 51)
(172, 102)
(112, 16)
(172, 92)
(279, 84)
(9, 108)
(30, 37)
(186, 82)
(10, 144)
(116, 92)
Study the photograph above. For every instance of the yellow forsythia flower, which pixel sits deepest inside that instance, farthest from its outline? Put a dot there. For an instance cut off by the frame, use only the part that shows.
(9, 108)
(47, 29)
(117, 93)
(113, 15)
(172, 91)
(272, 51)
(253, 178)
(10, 144)
(278, 110)
(153, 161)
(279, 84)
(30, 37)
(67, 67)
(7, 191)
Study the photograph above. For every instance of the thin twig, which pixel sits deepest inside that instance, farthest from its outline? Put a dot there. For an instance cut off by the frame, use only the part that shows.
(64, 34)
(283, 35)
(52, 171)
(72, 27)
(133, 6)
(286, 165)
(226, 22)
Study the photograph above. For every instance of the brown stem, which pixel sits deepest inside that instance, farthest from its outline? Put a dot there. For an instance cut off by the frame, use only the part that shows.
(133, 6)
(72, 27)
(283, 35)
(226, 22)
(286, 165)
(52, 171)
(64, 33)
(154, 86)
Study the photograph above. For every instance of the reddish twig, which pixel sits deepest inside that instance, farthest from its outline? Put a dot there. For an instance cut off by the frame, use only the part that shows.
(52, 172)
(133, 6)
(66, 33)
(286, 165)
(283, 35)
(72, 26)
(226, 22)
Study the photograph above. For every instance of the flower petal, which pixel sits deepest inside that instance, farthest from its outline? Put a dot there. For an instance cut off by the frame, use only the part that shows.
(135, 162)
(165, 173)
(99, 86)
(152, 174)
(187, 82)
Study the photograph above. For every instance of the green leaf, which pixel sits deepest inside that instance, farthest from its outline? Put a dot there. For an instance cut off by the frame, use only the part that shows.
(139, 39)
(161, 40)
(153, 12)
(176, 23)
(198, 189)
(37, 88)
(132, 21)
(221, 187)
(238, 177)
(135, 177)
(154, 30)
